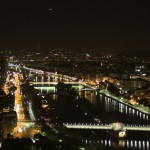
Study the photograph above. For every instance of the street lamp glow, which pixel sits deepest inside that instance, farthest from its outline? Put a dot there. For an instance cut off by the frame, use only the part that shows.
(20, 130)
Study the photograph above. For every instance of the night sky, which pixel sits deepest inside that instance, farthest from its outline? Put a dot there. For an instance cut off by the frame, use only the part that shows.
(75, 25)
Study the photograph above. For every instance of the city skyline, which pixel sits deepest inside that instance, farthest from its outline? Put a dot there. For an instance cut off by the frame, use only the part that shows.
(74, 74)
(75, 25)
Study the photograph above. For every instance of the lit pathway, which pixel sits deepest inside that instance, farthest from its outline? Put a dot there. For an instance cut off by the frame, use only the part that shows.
(32, 117)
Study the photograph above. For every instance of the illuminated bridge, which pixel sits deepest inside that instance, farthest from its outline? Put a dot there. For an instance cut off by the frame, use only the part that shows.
(55, 83)
(113, 126)
(87, 87)
(26, 120)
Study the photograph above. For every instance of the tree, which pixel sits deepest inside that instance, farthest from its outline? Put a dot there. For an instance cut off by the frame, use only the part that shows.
(37, 136)
(63, 89)
(13, 88)
(144, 101)
(112, 89)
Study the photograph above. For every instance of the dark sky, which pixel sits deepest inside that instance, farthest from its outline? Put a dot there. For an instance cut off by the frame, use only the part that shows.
(75, 24)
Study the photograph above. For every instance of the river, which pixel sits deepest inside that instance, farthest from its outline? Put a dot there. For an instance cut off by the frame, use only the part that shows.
(110, 110)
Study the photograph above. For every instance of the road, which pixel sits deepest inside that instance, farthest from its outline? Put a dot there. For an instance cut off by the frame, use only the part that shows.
(23, 129)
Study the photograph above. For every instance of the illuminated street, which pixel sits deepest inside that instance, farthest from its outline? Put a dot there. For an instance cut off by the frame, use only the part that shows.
(23, 129)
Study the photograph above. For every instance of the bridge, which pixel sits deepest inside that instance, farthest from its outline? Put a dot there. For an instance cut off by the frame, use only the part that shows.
(73, 79)
(113, 126)
(26, 120)
(88, 87)
(54, 83)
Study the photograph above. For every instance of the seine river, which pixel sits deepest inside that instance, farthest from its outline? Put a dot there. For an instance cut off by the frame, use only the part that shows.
(109, 110)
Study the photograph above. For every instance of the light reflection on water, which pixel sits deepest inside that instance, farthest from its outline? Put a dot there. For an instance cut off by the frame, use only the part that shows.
(125, 144)
(107, 105)
(104, 103)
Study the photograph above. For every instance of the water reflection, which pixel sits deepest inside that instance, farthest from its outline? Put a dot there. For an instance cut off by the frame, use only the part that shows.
(109, 109)
(124, 144)
(129, 114)
(104, 104)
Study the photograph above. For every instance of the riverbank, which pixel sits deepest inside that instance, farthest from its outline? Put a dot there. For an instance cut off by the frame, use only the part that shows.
(140, 108)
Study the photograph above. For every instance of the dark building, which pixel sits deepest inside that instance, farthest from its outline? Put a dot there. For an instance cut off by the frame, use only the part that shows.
(8, 121)
(3, 66)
